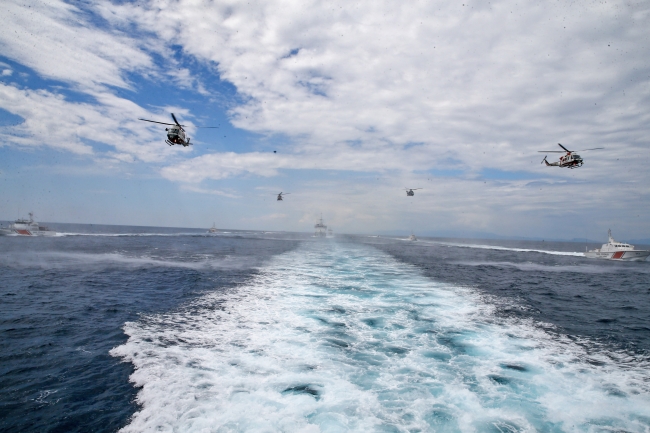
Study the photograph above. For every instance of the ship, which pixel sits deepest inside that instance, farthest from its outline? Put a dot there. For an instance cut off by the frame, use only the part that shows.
(212, 229)
(23, 227)
(321, 229)
(412, 237)
(614, 250)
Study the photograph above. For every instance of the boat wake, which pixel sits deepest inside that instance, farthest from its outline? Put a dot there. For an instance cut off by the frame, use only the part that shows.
(334, 337)
(499, 248)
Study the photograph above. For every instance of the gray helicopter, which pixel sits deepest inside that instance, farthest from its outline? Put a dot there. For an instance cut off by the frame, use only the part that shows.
(410, 191)
(281, 194)
(176, 134)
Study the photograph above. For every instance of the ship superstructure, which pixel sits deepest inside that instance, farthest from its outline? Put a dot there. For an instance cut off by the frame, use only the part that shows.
(614, 250)
(321, 229)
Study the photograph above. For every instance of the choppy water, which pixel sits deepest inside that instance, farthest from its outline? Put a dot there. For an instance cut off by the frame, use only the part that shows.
(260, 333)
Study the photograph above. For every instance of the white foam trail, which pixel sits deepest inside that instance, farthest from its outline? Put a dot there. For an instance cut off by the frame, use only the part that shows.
(128, 235)
(333, 338)
(48, 260)
(499, 248)
(582, 269)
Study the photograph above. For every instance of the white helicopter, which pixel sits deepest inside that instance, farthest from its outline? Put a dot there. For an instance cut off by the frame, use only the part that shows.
(176, 134)
(570, 160)
(281, 194)
(410, 191)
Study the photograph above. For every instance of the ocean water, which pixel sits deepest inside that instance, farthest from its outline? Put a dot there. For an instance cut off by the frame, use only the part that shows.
(266, 332)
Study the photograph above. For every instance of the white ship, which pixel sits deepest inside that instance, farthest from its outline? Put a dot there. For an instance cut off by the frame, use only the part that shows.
(212, 229)
(321, 229)
(412, 238)
(614, 250)
(22, 227)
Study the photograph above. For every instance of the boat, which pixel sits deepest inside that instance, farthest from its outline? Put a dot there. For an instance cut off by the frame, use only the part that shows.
(321, 229)
(23, 227)
(212, 229)
(614, 250)
(412, 238)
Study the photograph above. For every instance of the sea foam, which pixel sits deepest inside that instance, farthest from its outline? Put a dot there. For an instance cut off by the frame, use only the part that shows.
(332, 338)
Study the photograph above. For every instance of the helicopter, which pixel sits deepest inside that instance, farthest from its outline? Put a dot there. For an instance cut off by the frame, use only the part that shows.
(570, 160)
(281, 194)
(176, 134)
(410, 192)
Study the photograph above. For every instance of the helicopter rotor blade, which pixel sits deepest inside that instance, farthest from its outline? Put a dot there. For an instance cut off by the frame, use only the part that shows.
(550, 151)
(153, 121)
(595, 148)
(174, 117)
(564, 148)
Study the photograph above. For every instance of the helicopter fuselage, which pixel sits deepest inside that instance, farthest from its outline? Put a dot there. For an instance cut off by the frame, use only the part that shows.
(176, 135)
(570, 160)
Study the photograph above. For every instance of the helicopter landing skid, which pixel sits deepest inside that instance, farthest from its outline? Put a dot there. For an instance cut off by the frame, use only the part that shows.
(169, 142)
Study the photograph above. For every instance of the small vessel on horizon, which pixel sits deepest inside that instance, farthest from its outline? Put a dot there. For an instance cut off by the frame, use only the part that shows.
(412, 237)
(212, 229)
(23, 227)
(614, 250)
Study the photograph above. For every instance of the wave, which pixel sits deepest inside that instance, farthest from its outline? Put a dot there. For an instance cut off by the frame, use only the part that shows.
(336, 337)
(580, 268)
(47, 260)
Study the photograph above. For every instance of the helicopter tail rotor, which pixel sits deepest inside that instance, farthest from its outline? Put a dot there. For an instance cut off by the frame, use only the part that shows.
(544, 161)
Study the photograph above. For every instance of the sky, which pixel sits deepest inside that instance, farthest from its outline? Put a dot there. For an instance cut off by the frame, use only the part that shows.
(342, 104)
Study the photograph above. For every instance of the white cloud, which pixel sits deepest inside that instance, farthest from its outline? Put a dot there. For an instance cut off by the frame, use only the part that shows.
(364, 87)
(341, 157)
(55, 39)
(61, 42)
(53, 121)
(200, 190)
(459, 78)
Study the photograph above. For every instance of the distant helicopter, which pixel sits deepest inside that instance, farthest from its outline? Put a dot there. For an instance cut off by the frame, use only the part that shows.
(281, 194)
(410, 192)
(570, 160)
(176, 134)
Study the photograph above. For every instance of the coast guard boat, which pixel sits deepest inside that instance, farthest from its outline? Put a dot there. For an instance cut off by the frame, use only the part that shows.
(412, 238)
(614, 250)
(212, 229)
(23, 227)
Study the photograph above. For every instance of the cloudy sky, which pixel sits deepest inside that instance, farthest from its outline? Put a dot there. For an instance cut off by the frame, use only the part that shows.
(343, 104)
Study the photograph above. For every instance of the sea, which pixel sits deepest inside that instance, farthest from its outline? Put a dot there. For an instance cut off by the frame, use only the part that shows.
(145, 329)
